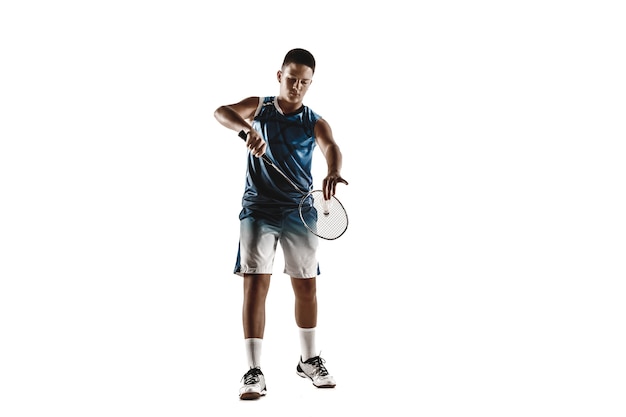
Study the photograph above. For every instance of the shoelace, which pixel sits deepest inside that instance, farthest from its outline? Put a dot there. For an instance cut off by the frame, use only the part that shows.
(318, 362)
(252, 376)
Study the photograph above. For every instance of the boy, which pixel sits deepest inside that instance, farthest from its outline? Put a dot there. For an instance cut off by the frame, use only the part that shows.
(288, 132)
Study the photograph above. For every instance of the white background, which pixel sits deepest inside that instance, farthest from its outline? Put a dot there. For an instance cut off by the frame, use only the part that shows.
(483, 268)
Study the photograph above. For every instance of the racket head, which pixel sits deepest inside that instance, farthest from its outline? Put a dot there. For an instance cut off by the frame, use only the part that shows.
(326, 219)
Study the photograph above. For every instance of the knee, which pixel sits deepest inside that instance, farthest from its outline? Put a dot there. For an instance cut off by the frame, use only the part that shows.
(305, 290)
(256, 287)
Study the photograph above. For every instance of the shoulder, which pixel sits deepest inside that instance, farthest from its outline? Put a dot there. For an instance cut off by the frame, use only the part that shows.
(267, 104)
(322, 128)
(246, 107)
(310, 115)
(248, 102)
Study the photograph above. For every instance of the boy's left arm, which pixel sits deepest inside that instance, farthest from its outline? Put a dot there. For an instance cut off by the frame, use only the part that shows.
(334, 158)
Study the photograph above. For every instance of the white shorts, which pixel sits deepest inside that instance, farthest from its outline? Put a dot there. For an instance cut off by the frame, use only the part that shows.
(259, 234)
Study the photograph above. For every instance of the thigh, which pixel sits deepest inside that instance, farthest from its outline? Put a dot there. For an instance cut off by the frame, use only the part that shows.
(258, 239)
(299, 247)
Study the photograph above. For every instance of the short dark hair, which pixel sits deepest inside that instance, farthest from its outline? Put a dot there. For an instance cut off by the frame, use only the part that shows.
(300, 56)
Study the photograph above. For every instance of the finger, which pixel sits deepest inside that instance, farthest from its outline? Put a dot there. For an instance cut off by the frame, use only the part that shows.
(326, 188)
(260, 150)
(330, 190)
(254, 148)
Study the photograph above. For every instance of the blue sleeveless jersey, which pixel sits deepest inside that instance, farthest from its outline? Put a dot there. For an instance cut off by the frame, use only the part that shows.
(290, 144)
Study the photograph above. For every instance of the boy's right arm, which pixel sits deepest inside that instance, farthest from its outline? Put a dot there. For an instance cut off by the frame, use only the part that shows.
(238, 117)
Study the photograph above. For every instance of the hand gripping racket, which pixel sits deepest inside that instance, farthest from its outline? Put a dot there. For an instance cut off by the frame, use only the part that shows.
(324, 218)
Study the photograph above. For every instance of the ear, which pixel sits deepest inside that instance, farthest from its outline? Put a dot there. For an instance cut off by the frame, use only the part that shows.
(279, 75)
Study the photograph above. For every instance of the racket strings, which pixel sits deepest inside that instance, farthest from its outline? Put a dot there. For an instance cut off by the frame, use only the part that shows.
(325, 218)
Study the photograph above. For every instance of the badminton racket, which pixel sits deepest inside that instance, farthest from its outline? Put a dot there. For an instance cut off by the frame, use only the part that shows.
(326, 219)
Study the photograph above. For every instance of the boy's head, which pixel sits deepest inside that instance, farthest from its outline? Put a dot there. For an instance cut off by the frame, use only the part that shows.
(295, 77)
(299, 56)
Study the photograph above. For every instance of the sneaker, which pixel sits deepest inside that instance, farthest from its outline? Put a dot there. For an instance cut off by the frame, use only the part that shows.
(253, 385)
(315, 370)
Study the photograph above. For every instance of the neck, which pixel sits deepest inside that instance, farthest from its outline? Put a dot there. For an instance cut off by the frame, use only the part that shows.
(287, 107)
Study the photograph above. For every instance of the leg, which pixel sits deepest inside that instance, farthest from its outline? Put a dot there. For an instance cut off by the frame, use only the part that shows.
(300, 249)
(257, 245)
(305, 291)
(311, 365)
(255, 288)
(306, 314)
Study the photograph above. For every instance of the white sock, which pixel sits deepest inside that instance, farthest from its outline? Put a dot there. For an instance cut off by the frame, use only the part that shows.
(254, 346)
(307, 343)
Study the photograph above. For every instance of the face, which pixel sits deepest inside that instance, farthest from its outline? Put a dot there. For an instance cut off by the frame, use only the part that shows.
(294, 80)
